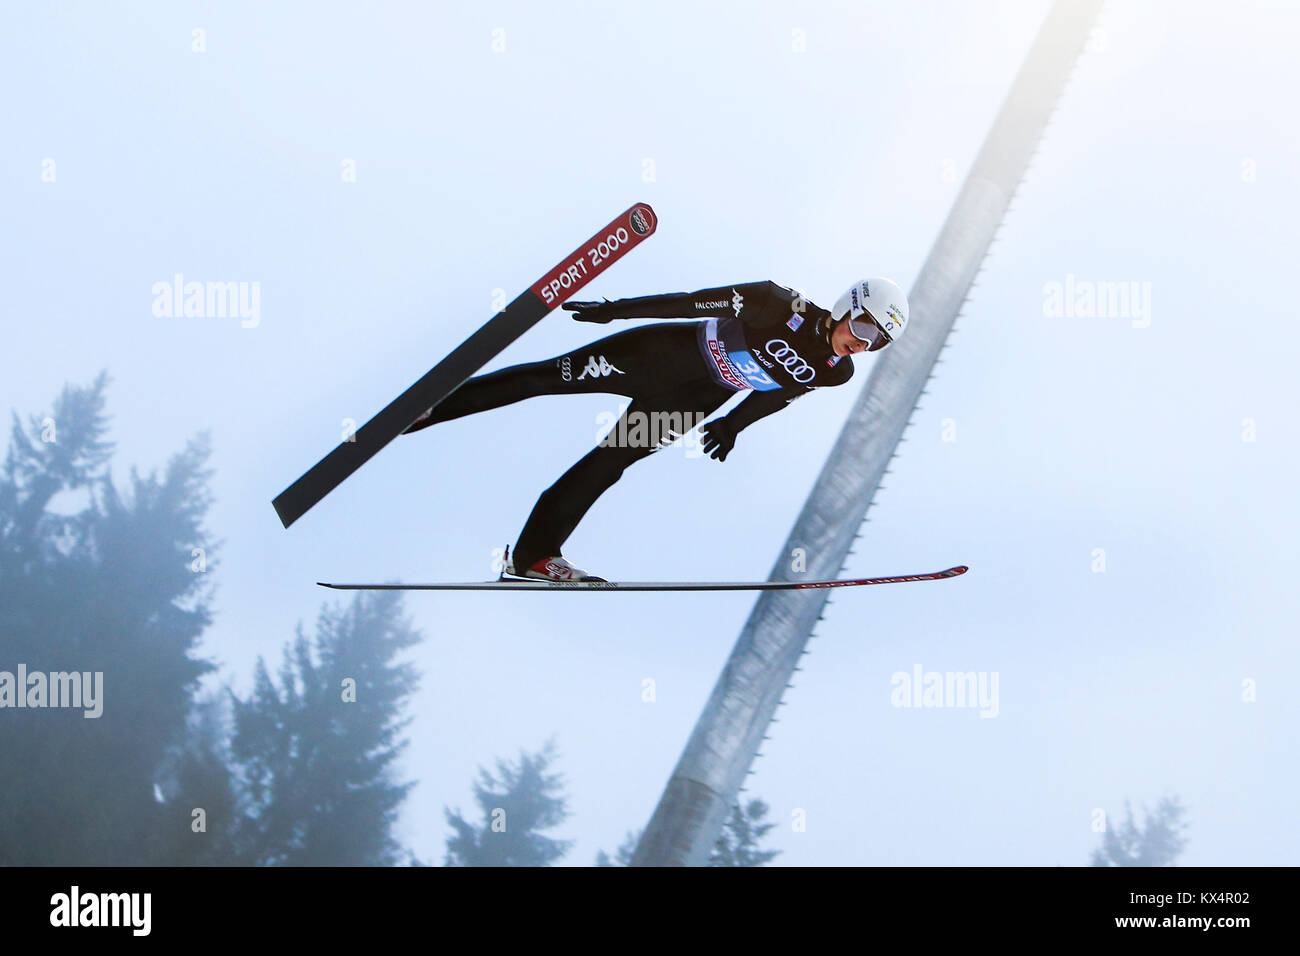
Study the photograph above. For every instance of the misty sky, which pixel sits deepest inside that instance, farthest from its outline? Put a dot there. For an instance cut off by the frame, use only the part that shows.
(1168, 439)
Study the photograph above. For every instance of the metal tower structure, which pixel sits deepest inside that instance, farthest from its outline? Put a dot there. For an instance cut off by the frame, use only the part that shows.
(704, 786)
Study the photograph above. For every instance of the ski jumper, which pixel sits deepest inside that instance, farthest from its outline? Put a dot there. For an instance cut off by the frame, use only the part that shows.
(754, 336)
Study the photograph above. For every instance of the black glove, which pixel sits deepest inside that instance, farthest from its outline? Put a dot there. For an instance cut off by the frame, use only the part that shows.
(719, 438)
(590, 311)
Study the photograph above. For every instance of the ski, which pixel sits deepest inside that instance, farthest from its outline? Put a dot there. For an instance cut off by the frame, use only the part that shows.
(628, 230)
(524, 584)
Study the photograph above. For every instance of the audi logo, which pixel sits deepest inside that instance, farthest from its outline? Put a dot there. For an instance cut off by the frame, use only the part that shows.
(790, 360)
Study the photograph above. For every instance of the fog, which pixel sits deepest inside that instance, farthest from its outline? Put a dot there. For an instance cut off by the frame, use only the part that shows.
(1109, 444)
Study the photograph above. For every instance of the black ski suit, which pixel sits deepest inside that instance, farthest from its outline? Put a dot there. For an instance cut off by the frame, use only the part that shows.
(755, 335)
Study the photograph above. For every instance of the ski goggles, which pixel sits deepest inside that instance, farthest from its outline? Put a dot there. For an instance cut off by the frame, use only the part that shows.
(867, 330)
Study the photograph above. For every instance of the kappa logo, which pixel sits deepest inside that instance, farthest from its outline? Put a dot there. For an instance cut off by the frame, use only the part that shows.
(566, 369)
(737, 301)
(597, 367)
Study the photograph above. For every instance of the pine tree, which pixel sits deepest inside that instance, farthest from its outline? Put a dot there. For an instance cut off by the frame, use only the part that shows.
(623, 855)
(197, 790)
(737, 846)
(1157, 843)
(739, 843)
(106, 589)
(316, 750)
(518, 803)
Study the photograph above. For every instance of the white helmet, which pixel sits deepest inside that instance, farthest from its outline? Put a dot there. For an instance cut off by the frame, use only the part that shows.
(876, 310)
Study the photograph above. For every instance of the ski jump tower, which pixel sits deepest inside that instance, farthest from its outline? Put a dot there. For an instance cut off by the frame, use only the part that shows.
(706, 782)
